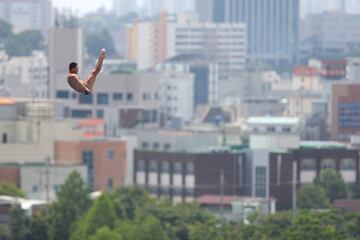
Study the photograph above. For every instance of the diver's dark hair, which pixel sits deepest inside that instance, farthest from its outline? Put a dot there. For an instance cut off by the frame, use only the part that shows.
(72, 65)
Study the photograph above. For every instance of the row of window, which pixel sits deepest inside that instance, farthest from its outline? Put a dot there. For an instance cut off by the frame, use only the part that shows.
(102, 98)
(273, 129)
(166, 192)
(346, 164)
(155, 146)
(164, 167)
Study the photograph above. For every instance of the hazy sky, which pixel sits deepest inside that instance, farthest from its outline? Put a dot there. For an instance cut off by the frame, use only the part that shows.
(82, 6)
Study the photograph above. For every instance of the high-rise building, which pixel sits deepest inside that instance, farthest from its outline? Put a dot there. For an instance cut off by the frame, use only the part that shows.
(223, 43)
(272, 26)
(123, 7)
(27, 15)
(150, 43)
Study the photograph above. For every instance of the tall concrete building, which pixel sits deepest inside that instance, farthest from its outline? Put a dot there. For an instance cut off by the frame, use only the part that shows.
(65, 45)
(27, 15)
(272, 26)
(330, 34)
(123, 7)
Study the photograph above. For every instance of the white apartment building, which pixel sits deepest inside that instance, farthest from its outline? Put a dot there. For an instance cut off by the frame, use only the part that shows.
(122, 100)
(223, 43)
(273, 132)
(26, 76)
(177, 95)
(27, 15)
(206, 76)
(28, 129)
(42, 181)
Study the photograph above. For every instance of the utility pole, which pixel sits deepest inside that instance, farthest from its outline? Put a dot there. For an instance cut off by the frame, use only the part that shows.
(47, 172)
(222, 195)
(294, 178)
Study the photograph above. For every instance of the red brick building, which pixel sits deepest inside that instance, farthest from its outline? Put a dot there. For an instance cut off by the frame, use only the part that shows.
(105, 161)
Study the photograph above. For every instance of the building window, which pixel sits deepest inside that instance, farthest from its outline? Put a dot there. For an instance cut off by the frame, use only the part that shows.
(110, 154)
(100, 113)
(167, 146)
(308, 165)
(85, 99)
(165, 192)
(328, 164)
(153, 167)
(270, 129)
(153, 116)
(88, 161)
(190, 168)
(347, 164)
(117, 96)
(153, 190)
(103, 99)
(4, 138)
(260, 181)
(165, 167)
(189, 192)
(34, 188)
(145, 145)
(62, 94)
(177, 192)
(77, 113)
(156, 146)
(56, 188)
(110, 184)
(129, 96)
(286, 129)
(74, 95)
(140, 166)
(178, 169)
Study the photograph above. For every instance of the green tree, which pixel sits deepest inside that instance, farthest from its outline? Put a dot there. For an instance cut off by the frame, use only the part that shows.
(72, 203)
(308, 226)
(178, 218)
(19, 223)
(98, 40)
(9, 189)
(38, 228)
(333, 184)
(143, 228)
(4, 233)
(127, 201)
(5, 30)
(101, 214)
(208, 231)
(355, 191)
(105, 233)
(23, 43)
(312, 197)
